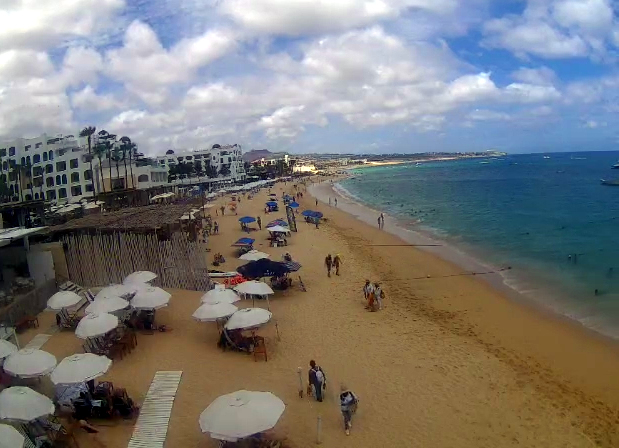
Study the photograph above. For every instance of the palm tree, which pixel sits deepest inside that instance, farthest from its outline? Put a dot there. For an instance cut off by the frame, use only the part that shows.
(87, 132)
(126, 147)
(117, 156)
(99, 151)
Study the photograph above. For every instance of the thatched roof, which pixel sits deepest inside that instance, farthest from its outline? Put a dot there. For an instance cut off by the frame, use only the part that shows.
(149, 217)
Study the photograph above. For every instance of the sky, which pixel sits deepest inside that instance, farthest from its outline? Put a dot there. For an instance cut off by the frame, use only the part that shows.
(363, 76)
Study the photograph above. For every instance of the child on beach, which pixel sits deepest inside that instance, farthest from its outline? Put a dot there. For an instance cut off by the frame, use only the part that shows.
(328, 264)
(348, 406)
(368, 289)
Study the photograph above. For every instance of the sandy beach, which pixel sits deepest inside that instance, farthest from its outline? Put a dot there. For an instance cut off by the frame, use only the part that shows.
(450, 362)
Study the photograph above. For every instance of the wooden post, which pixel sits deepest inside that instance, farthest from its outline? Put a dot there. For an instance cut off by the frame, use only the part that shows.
(319, 430)
(300, 382)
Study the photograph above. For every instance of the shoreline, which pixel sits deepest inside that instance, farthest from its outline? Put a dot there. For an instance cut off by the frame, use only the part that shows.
(469, 260)
(512, 301)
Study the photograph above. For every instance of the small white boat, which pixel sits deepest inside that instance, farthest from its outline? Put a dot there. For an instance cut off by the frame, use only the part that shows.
(546, 157)
(615, 166)
(611, 183)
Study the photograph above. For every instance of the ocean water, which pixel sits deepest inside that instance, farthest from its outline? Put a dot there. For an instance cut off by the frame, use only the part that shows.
(548, 218)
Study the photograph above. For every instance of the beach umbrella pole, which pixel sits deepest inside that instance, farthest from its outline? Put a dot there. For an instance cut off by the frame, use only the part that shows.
(319, 430)
(277, 331)
(300, 382)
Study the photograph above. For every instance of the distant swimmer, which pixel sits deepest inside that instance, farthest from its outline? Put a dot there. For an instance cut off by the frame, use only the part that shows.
(610, 273)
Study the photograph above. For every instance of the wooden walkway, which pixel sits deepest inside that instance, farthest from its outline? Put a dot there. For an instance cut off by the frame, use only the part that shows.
(38, 341)
(152, 426)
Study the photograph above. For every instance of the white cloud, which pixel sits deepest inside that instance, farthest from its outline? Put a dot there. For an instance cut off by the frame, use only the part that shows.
(20, 64)
(555, 29)
(530, 93)
(488, 115)
(301, 17)
(537, 76)
(146, 67)
(87, 99)
(42, 24)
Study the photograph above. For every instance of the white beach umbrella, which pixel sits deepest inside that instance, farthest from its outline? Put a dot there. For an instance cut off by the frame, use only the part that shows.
(254, 255)
(63, 299)
(150, 298)
(95, 324)
(254, 287)
(210, 312)
(219, 295)
(106, 305)
(29, 363)
(278, 229)
(80, 368)
(22, 404)
(7, 348)
(10, 437)
(240, 414)
(248, 318)
(122, 291)
(139, 277)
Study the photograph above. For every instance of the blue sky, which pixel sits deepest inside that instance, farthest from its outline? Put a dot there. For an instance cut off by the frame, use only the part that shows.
(314, 75)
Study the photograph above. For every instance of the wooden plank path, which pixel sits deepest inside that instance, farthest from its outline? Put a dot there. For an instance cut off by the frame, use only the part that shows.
(38, 341)
(152, 426)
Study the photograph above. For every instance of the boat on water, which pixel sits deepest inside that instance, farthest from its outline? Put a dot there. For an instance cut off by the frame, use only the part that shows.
(546, 157)
(615, 166)
(611, 183)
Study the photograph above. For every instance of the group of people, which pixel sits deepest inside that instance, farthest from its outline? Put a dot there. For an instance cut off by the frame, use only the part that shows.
(317, 384)
(333, 263)
(381, 221)
(374, 296)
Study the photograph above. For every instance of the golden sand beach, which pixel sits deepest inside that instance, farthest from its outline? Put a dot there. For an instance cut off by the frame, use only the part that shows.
(449, 362)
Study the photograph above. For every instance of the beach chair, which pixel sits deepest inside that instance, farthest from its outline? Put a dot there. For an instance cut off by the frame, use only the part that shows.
(260, 348)
(229, 343)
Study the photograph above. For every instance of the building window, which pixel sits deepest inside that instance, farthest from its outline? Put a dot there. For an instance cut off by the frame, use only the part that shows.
(5, 165)
(11, 151)
(58, 179)
(28, 160)
(36, 158)
(64, 179)
(37, 171)
(189, 157)
(89, 187)
(62, 193)
(143, 178)
(27, 148)
(75, 177)
(51, 194)
(49, 181)
(180, 159)
(3, 152)
(49, 168)
(87, 175)
(12, 176)
(12, 163)
(50, 155)
(76, 190)
(38, 145)
(229, 159)
(73, 163)
(44, 157)
(198, 157)
(23, 161)
(28, 197)
(61, 166)
(36, 195)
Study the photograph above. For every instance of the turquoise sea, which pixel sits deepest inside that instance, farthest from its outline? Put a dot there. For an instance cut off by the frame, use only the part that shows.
(546, 216)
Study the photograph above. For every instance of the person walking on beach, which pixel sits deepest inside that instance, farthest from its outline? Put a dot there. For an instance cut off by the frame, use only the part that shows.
(348, 406)
(379, 295)
(215, 227)
(317, 380)
(316, 202)
(259, 221)
(222, 208)
(382, 221)
(379, 223)
(328, 264)
(329, 202)
(336, 202)
(337, 261)
(368, 289)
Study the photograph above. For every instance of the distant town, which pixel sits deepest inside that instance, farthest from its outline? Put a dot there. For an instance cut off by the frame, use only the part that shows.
(56, 171)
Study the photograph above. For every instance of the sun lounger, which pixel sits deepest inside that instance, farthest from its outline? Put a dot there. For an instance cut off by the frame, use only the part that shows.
(38, 341)
(152, 426)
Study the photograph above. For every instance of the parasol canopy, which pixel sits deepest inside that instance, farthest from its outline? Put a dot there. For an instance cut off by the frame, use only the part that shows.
(240, 414)
(254, 287)
(10, 437)
(7, 348)
(106, 305)
(150, 298)
(123, 291)
(139, 277)
(254, 255)
(80, 368)
(29, 363)
(248, 318)
(294, 205)
(247, 219)
(278, 229)
(243, 242)
(209, 312)
(95, 324)
(63, 299)
(22, 404)
(261, 268)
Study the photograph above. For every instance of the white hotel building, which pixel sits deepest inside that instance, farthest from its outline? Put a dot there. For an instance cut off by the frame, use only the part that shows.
(230, 156)
(61, 170)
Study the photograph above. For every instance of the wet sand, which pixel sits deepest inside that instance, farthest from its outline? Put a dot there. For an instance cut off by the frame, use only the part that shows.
(450, 362)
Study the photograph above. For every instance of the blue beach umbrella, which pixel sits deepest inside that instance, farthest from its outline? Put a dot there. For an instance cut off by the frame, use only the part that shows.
(293, 205)
(247, 219)
(244, 242)
(272, 204)
(308, 213)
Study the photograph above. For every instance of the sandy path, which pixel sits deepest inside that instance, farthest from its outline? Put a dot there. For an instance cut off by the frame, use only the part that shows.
(432, 370)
